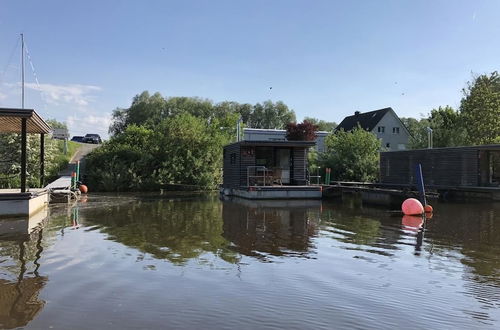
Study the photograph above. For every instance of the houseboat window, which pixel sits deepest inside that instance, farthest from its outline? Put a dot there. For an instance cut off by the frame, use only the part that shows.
(387, 145)
(381, 129)
(264, 156)
(395, 130)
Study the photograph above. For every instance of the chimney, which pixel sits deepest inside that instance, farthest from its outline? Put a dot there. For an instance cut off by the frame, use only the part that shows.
(356, 113)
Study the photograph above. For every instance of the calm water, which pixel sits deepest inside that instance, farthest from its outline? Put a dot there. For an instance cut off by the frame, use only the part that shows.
(195, 262)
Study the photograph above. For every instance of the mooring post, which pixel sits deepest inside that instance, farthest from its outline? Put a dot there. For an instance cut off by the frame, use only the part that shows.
(42, 159)
(23, 153)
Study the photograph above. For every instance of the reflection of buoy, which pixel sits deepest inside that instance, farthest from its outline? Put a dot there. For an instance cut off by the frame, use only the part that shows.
(428, 209)
(412, 222)
(83, 189)
(412, 206)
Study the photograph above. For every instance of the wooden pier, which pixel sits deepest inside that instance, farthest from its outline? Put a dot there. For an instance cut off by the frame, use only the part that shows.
(373, 193)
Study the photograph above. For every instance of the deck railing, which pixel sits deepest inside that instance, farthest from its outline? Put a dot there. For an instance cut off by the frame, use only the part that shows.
(256, 175)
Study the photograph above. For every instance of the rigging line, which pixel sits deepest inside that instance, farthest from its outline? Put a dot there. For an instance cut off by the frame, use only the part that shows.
(9, 60)
(42, 95)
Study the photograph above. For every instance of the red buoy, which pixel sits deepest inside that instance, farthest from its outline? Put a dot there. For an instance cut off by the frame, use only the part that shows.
(412, 206)
(428, 209)
(83, 189)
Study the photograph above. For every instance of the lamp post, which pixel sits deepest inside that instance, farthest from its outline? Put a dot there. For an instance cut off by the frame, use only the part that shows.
(429, 138)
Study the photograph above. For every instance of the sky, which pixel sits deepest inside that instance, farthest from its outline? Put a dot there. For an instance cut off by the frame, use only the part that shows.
(324, 59)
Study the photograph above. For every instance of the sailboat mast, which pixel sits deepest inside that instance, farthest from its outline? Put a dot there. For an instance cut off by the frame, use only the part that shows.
(22, 70)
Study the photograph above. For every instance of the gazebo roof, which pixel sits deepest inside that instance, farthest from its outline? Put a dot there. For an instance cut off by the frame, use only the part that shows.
(10, 121)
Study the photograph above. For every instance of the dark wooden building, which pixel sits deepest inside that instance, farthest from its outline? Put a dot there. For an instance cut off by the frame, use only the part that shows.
(285, 162)
(474, 166)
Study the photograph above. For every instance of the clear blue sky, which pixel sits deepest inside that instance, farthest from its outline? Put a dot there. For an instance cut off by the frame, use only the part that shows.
(324, 59)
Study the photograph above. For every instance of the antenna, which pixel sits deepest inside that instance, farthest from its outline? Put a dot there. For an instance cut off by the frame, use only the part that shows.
(22, 70)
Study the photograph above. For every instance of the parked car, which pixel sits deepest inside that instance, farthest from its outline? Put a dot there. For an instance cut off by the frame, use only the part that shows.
(92, 138)
(77, 139)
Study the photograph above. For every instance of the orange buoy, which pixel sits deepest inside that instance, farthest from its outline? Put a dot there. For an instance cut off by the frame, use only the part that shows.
(428, 209)
(412, 206)
(83, 189)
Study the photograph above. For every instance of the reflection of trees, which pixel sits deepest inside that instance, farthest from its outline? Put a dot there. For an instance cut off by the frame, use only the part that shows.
(274, 230)
(475, 230)
(19, 302)
(174, 230)
(350, 223)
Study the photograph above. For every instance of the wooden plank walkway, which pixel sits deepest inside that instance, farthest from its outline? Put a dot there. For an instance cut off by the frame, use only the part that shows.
(64, 182)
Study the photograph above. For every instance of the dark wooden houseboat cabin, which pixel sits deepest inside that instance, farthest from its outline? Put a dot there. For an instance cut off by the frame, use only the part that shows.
(472, 169)
(268, 170)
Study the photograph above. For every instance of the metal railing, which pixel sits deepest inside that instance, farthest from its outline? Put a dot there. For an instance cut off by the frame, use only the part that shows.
(254, 178)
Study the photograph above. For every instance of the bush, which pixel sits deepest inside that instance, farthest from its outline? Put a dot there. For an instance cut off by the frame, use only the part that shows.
(352, 156)
(180, 150)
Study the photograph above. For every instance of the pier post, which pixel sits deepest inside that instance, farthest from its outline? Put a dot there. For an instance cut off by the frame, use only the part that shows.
(42, 159)
(23, 154)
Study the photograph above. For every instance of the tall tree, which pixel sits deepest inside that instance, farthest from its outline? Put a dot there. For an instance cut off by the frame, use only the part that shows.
(323, 125)
(480, 109)
(271, 115)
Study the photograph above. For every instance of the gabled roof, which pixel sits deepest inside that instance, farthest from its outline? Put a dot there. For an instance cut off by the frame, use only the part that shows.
(10, 121)
(367, 120)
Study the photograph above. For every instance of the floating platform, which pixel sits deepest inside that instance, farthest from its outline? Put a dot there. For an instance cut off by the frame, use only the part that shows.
(275, 192)
(17, 204)
(22, 227)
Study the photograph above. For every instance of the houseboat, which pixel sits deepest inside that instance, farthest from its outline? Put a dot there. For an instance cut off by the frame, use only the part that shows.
(268, 170)
(472, 171)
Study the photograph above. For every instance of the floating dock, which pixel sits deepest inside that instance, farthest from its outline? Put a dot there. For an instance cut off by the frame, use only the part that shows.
(16, 204)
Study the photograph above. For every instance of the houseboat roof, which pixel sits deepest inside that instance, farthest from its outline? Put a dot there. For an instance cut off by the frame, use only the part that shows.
(10, 121)
(274, 143)
(480, 147)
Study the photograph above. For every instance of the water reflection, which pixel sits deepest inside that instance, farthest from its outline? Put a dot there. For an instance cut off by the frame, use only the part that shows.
(174, 229)
(278, 228)
(343, 257)
(20, 279)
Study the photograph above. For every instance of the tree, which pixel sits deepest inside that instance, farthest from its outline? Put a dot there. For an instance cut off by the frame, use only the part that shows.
(305, 131)
(181, 149)
(271, 115)
(150, 110)
(480, 109)
(53, 123)
(352, 156)
(418, 132)
(323, 125)
(446, 125)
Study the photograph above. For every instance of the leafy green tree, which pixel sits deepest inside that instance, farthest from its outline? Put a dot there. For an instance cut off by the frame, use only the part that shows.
(323, 125)
(447, 127)
(181, 149)
(56, 124)
(271, 115)
(418, 132)
(352, 156)
(480, 109)
(150, 110)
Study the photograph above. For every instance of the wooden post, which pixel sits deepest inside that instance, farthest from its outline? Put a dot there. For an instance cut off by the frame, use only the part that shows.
(42, 159)
(23, 154)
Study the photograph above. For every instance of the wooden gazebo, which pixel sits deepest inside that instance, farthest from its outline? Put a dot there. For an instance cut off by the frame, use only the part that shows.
(24, 121)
